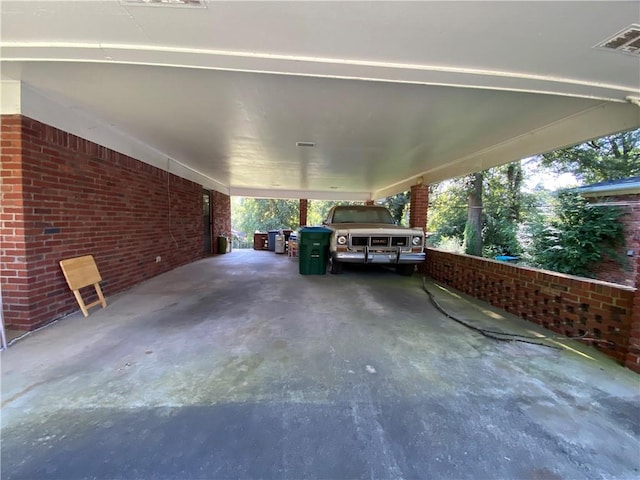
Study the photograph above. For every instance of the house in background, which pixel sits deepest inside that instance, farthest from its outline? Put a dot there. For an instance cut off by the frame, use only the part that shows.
(625, 194)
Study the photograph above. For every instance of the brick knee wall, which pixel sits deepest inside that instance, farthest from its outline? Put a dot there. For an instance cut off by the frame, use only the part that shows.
(63, 196)
(565, 304)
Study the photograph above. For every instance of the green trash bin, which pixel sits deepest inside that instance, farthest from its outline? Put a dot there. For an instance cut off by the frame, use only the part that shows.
(222, 244)
(313, 247)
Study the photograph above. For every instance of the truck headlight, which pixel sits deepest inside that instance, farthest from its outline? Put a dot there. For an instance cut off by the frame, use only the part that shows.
(416, 241)
(341, 240)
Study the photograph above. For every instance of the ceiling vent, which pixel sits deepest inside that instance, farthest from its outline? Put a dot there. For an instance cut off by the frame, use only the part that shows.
(627, 41)
(164, 3)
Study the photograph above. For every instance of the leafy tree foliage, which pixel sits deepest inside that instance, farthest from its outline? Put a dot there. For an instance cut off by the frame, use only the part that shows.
(608, 158)
(503, 207)
(250, 215)
(317, 210)
(447, 214)
(577, 237)
(262, 214)
(397, 206)
(473, 227)
(572, 238)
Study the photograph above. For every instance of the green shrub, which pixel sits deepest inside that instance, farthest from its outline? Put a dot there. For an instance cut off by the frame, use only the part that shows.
(578, 237)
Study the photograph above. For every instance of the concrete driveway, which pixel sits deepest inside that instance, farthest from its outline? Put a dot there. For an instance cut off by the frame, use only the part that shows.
(238, 367)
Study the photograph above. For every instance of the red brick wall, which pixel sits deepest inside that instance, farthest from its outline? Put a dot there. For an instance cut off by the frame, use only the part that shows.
(63, 196)
(221, 211)
(562, 303)
(610, 270)
(632, 360)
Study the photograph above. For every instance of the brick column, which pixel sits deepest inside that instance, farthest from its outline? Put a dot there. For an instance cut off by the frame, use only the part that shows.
(221, 210)
(304, 203)
(418, 212)
(632, 359)
(419, 205)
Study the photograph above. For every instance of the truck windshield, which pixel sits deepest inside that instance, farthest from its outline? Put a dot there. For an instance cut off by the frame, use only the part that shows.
(362, 215)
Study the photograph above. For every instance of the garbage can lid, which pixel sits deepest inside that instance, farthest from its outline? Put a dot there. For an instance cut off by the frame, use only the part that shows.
(315, 230)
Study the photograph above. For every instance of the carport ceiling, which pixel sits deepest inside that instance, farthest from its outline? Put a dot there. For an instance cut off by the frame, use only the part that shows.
(389, 93)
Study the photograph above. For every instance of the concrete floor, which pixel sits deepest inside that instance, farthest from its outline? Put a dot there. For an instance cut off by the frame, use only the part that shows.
(238, 367)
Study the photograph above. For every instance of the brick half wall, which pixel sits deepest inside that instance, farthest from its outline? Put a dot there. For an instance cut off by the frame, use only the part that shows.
(565, 304)
(63, 196)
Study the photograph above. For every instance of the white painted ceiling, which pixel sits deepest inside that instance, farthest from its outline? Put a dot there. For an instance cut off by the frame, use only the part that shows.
(391, 93)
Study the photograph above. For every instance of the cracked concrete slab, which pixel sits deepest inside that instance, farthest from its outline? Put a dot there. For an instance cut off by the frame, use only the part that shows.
(236, 366)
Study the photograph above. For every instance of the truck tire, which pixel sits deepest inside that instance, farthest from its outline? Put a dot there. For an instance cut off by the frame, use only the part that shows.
(335, 267)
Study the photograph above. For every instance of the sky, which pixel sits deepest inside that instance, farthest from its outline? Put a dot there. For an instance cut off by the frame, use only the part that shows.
(551, 181)
(536, 176)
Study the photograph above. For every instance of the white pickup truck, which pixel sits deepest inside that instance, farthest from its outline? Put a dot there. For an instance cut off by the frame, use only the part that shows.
(369, 234)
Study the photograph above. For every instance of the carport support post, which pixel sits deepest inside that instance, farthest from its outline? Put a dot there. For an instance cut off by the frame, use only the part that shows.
(304, 204)
(632, 359)
(418, 212)
(221, 212)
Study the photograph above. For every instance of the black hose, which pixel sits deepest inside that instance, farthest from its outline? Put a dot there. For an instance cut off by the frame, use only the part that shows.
(485, 333)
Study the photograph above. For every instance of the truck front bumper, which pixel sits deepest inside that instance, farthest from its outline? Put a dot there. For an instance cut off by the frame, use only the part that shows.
(385, 257)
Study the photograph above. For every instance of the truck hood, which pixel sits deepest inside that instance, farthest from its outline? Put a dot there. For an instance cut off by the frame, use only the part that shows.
(372, 227)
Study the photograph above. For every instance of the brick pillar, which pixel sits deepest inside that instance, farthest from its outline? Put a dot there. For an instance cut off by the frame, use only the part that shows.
(13, 225)
(304, 203)
(632, 359)
(419, 205)
(221, 211)
(418, 212)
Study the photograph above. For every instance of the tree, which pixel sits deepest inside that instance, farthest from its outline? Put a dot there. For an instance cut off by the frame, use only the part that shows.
(607, 158)
(473, 227)
(317, 210)
(447, 212)
(397, 205)
(577, 237)
(503, 208)
(261, 214)
(514, 191)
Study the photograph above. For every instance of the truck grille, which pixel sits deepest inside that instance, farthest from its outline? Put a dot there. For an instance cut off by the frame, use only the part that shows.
(359, 241)
(379, 241)
(399, 241)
